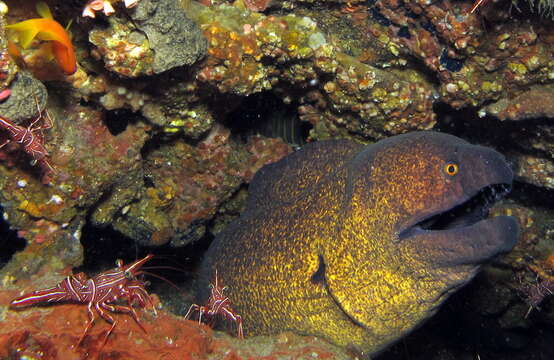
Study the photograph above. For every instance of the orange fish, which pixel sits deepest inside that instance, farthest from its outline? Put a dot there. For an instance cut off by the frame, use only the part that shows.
(47, 29)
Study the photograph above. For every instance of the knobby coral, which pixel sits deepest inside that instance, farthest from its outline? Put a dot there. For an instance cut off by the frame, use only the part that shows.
(105, 6)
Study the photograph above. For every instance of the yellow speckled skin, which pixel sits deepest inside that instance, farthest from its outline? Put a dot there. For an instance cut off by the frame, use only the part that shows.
(320, 249)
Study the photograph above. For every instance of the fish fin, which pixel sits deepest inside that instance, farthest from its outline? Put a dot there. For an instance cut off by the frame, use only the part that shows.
(14, 52)
(68, 26)
(26, 32)
(44, 11)
(48, 36)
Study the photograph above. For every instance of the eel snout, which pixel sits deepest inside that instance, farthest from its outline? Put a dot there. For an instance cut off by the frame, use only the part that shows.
(462, 233)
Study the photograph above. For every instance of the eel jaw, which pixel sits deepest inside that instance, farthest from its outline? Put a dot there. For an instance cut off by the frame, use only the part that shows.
(463, 234)
(468, 212)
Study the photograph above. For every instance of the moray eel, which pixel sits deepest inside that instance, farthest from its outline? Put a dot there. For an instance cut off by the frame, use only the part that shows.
(360, 244)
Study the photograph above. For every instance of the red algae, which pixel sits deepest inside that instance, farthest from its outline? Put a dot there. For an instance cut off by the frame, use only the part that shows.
(55, 332)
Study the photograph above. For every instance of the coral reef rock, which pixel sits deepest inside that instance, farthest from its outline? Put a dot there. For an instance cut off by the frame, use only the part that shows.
(175, 39)
(161, 37)
(28, 97)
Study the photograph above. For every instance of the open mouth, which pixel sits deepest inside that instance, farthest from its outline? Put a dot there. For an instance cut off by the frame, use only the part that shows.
(469, 212)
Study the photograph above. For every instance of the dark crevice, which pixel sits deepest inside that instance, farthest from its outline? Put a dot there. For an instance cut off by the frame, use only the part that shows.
(265, 114)
(532, 196)
(450, 63)
(488, 130)
(10, 243)
(104, 245)
(117, 120)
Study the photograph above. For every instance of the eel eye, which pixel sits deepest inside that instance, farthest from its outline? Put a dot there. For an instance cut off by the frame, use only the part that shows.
(451, 169)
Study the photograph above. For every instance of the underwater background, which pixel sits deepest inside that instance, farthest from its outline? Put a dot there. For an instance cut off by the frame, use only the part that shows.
(134, 127)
